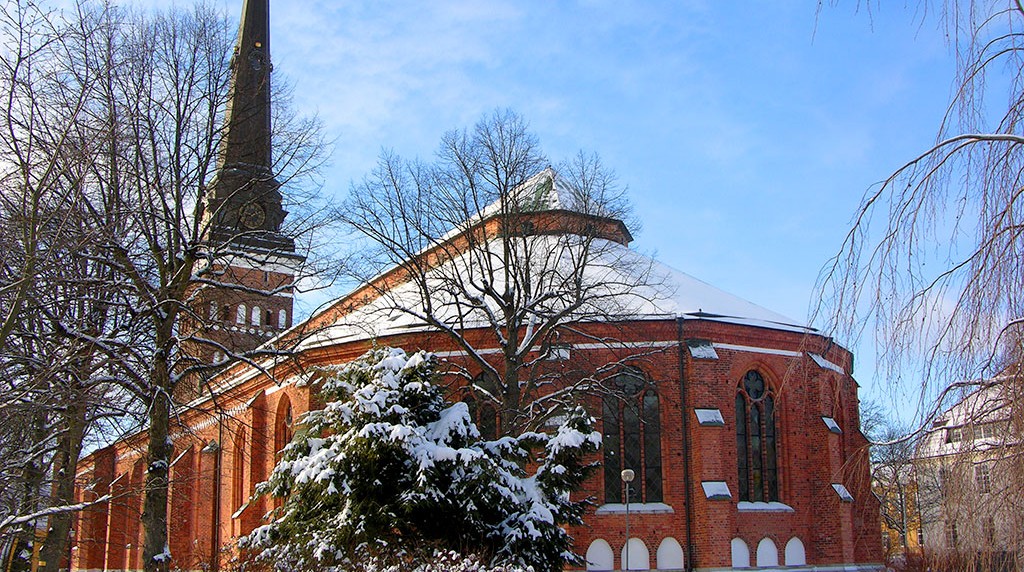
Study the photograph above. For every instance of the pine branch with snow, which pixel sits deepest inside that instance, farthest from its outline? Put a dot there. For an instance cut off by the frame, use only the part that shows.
(388, 466)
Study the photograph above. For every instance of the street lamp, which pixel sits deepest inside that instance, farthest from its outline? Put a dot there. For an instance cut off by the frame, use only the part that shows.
(627, 477)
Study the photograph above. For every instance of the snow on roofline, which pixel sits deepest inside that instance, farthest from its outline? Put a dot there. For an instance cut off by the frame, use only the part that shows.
(384, 307)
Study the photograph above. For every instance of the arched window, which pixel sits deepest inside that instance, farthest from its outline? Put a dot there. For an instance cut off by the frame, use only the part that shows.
(767, 553)
(282, 319)
(238, 495)
(240, 315)
(213, 310)
(485, 412)
(740, 553)
(283, 424)
(600, 556)
(632, 439)
(670, 554)
(257, 316)
(756, 454)
(795, 555)
(635, 555)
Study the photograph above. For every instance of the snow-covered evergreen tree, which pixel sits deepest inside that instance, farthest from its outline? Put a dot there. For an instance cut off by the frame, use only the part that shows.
(388, 467)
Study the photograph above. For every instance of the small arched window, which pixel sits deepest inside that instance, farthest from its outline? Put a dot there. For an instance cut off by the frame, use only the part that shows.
(767, 553)
(632, 439)
(795, 555)
(600, 556)
(282, 319)
(756, 452)
(238, 467)
(240, 315)
(740, 553)
(257, 316)
(213, 310)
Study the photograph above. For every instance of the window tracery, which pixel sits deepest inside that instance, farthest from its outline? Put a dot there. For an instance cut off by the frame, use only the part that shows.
(756, 447)
(632, 439)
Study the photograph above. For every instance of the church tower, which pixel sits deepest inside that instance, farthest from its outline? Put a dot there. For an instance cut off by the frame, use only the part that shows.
(253, 262)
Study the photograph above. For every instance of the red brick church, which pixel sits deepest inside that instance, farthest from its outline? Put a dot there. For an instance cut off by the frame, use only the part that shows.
(739, 424)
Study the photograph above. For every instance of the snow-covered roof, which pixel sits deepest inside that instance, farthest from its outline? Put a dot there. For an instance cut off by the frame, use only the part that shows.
(665, 293)
(545, 191)
(978, 422)
(626, 283)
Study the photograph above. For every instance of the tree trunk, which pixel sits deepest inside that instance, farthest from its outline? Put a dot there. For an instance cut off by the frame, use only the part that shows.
(32, 480)
(155, 552)
(69, 448)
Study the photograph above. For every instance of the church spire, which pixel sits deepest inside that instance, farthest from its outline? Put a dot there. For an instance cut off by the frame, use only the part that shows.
(247, 297)
(248, 142)
(244, 207)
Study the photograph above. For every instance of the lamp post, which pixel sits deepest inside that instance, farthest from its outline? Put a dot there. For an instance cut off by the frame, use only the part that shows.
(627, 477)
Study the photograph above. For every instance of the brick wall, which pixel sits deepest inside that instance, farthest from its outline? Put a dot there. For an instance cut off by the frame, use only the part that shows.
(811, 457)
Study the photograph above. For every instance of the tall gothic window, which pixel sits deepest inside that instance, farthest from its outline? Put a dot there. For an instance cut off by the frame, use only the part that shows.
(756, 450)
(238, 466)
(632, 439)
(283, 424)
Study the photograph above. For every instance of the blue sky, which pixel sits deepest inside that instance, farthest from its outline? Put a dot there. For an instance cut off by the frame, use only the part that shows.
(747, 132)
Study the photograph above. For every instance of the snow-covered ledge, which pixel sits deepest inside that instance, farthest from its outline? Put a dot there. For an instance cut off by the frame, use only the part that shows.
(746, 506)
(637, 507)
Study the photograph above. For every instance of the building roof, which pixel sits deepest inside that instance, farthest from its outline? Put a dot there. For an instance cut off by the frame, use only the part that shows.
(622, 283)
(978, 422)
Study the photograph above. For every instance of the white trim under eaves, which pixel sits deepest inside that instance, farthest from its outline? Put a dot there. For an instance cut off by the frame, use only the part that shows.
(580, 347)
(756, 350)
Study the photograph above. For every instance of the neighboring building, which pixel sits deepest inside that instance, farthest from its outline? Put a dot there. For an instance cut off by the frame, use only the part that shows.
(896, 488)
(741, 425)
(969, 468)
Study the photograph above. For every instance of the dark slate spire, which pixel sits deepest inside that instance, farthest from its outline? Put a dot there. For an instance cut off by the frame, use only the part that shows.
(248, 113)
(245, 204)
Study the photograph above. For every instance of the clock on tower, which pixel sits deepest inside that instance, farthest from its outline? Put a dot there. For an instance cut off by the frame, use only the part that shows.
(246, 298)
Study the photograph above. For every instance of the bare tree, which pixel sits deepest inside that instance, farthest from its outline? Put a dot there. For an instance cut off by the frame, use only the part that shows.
(142, 147)
(934, 262)
(55, 298)
(493, 249)
(892, 480)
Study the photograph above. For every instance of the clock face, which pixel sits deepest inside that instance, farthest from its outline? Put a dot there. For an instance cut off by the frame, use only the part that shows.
(257, 59)
(251, 215)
